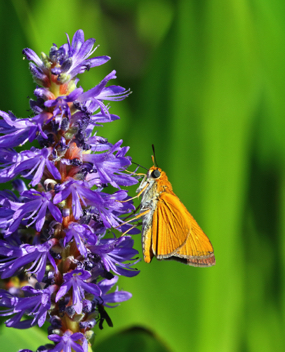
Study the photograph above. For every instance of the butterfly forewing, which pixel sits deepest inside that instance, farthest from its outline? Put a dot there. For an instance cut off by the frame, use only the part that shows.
(198, 249)
(178, 236)
(171, 228)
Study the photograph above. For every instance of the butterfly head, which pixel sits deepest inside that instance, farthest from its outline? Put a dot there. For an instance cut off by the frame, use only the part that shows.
(154, 172)
(156, 175)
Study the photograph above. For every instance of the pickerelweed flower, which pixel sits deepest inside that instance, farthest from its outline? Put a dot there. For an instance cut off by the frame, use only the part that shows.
(56, 226)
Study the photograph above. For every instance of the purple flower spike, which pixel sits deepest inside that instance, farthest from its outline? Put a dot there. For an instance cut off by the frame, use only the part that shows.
(56, 222)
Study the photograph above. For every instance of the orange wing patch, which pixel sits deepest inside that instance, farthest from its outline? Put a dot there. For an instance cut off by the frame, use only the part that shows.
(198, 249)
(177, 236)
(170, 228)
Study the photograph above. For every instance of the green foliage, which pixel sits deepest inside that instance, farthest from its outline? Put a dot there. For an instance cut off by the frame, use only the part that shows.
(208, 82)
(135, 339)
(12, 340)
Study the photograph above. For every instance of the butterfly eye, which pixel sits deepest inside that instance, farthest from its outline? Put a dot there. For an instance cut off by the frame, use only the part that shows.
(155, 174)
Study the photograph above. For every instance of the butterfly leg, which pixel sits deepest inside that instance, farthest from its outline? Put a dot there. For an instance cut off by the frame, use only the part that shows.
(123, 234)
(140, 192)
(134, 218)
(134, 173)
(133, 212)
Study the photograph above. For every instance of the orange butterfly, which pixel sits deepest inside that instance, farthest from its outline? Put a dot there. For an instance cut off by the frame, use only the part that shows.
(169, 231)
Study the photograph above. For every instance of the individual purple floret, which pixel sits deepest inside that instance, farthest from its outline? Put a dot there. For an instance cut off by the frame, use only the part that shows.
(77, 281)
(36, 303)
(68, 340)
(56, 225)
(34, 210)
(113, 297)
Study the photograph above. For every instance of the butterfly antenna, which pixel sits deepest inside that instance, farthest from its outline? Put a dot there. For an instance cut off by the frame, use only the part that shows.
(139, 165)
(153, 157)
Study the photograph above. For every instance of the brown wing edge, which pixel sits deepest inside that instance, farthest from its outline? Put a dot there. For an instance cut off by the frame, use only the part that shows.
(202, 262)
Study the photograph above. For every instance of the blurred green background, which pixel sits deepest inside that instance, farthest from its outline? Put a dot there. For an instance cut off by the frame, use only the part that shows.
(208, 82)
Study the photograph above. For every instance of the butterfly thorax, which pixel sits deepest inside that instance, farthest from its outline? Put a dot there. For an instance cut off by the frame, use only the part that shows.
(163, 185)
(155, 183)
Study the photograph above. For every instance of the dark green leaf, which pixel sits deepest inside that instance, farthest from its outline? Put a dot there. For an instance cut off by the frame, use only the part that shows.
(134, 339)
